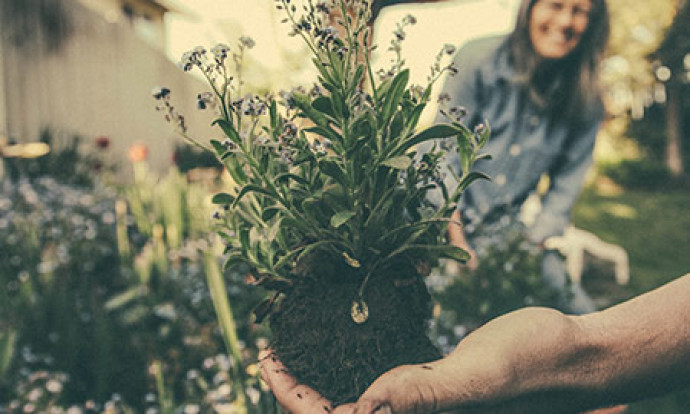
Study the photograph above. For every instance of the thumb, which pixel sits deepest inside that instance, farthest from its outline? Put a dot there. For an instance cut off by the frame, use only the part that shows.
(363, 406)
(372, 407)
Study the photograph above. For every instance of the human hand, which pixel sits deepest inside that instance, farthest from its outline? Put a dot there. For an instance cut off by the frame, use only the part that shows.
(293, 397)
(481, 375)
(473, 372)
(396, 385)
(456, 237)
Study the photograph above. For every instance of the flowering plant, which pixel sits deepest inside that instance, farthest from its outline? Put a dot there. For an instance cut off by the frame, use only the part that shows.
(330, 173)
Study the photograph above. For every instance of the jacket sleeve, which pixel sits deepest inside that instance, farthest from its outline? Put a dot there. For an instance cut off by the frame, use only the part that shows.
(567, 176)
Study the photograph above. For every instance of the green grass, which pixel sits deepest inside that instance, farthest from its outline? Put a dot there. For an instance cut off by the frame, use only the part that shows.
(654, 228)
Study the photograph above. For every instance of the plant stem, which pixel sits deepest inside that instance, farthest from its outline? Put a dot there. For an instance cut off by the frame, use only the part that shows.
(163, 400)
(226, 321)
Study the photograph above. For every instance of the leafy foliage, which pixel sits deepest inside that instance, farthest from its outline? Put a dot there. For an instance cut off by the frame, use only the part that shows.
(99, 290)
(332, 172)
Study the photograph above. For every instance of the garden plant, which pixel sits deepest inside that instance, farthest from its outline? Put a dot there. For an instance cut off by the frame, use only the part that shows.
(329, 208)
(105, 305)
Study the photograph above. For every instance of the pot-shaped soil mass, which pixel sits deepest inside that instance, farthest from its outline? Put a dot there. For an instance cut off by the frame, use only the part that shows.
(320, 344)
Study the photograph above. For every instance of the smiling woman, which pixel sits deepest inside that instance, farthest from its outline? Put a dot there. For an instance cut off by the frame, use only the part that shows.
(539, 89)
(557, 26)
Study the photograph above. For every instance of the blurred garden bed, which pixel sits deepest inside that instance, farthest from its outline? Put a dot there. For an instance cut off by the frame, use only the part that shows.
(105, 305)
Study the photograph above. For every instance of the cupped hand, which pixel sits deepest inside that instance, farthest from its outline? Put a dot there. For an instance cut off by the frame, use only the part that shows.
(467, 375)
(409, 388)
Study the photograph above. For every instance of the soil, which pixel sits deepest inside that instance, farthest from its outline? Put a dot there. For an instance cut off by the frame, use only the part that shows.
(316, 339)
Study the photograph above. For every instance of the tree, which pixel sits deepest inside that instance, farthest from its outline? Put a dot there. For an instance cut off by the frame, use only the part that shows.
(674, 55)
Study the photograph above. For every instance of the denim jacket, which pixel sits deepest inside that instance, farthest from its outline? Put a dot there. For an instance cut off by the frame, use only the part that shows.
(526, 141)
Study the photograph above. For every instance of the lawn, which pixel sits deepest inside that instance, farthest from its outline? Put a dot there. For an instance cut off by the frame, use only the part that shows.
(654, 227)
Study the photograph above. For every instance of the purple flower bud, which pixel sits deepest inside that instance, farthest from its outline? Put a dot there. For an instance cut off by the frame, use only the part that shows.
(160, 92)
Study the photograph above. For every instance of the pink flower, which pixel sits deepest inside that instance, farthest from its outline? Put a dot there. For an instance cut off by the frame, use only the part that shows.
(138, 152)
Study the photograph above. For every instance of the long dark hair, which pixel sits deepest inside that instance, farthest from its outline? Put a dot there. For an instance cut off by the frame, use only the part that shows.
(577, 74)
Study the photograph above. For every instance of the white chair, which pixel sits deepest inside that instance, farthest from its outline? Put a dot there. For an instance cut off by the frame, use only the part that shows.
(575, 242)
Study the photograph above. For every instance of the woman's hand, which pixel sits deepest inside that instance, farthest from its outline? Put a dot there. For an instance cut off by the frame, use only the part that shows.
(456, 237)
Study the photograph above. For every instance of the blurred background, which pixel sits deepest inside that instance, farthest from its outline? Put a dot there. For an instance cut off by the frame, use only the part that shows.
(106, 238)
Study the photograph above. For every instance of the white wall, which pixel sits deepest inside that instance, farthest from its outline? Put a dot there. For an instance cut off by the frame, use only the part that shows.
(97, 83)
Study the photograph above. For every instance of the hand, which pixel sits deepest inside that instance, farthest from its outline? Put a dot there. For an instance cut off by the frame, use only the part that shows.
(476, 371)
(456, 237)
(480, 376)
(292, 396)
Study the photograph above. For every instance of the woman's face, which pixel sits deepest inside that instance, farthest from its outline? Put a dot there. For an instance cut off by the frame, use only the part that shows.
(556, 26)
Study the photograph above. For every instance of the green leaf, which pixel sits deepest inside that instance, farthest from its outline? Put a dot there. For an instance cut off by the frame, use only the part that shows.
(273, 115)
(251, 188)
(236, 171)
(122, 299)
(401, 162)
(414, 116)
(447, 251)
(244, 239)
(273, 230)
(335, 197)
(433, 132)
(465, 152)
(327, 79)
(356, 79)
(312, 247)
(233, 260)
(333, 170)
(471, 177)
(228, 129)
(297, 224)
(304, 104)
(396, 126)
(218, 147)
(323, 104)
(287, 257)
(324, 132)
(285, 177)
(340, 218)
(383, 88)
(223, 198)
(394, 95)
(338, 105)
(8, 339)
(270, 212)
(314, 209)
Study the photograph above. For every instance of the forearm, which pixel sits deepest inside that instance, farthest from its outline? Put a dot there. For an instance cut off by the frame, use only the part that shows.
(643, 345)
(555, 363)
